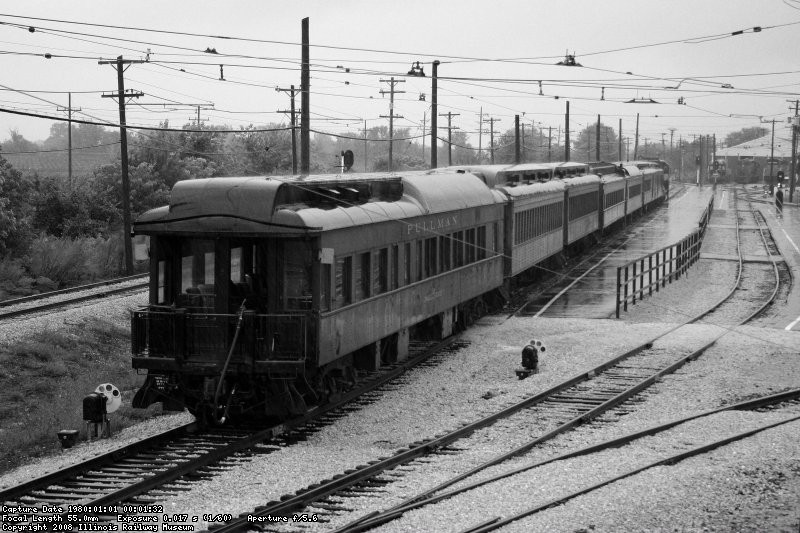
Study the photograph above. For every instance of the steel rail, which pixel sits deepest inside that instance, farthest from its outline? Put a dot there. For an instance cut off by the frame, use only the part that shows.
(376, 519)
(70, 301)
(497, 522)
(359, 525)
(146, 483)
(78, 288)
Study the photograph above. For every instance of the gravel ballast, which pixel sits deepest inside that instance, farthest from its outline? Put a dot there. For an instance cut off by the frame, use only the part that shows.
(479, 378)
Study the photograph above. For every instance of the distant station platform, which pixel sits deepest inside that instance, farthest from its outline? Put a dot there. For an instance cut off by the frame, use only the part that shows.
(590, 292)
(785, 228)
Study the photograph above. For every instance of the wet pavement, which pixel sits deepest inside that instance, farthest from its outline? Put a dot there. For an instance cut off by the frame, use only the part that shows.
(785, 228)
(590, 292)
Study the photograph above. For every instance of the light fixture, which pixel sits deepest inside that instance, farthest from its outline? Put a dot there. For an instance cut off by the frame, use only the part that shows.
(642, 100)
(569, 61)
(416, 70)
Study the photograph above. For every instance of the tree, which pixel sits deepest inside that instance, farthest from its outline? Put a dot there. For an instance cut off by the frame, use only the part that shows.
(18, 143)
(585, 147)
(147, 188)
(15, 209)
(744, 135)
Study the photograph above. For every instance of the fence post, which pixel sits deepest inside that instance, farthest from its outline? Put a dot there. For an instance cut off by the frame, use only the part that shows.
(625, 301)
(618, 289)
(641, 283)
(650, 274)
(633, 301)
(671, 271)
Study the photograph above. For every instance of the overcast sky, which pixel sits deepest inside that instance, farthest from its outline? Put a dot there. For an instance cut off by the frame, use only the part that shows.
(500, 50)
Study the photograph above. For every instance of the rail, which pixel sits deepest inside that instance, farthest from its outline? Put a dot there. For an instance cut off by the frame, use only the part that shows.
(654, 270)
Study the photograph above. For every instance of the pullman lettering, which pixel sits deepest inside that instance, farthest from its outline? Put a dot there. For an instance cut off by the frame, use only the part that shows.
(433, 224)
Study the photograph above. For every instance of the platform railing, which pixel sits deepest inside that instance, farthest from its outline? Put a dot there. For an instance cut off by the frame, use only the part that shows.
(175, 333)
(649, 273)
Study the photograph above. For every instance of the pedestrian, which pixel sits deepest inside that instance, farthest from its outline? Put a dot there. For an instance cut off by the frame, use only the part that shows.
(779, 199)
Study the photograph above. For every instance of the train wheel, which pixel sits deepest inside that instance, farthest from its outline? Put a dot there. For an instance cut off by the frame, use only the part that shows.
(331, 386)
(479, 309)
(350, 378)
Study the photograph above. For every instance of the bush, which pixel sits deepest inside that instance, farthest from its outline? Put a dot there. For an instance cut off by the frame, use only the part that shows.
(60, 259)
(70, 261)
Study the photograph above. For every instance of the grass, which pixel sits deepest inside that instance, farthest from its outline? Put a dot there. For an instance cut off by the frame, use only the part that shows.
(44, 379)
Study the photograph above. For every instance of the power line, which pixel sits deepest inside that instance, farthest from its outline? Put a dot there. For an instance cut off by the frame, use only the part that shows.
(147, 128)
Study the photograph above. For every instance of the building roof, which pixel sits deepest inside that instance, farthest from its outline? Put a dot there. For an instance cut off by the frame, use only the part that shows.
(761, 147)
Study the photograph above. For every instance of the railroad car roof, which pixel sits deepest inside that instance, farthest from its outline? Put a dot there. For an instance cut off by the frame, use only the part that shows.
(534, 189)
(581, 180)
(611, 178)
(632, 170)
(313, 203)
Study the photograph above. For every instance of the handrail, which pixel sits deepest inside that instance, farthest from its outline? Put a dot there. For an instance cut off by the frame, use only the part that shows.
(662, 266)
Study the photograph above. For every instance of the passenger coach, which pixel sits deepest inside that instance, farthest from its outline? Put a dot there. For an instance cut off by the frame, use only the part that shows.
(267, 294)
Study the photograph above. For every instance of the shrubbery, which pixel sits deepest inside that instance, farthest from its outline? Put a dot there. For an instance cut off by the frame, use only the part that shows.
(55, 262)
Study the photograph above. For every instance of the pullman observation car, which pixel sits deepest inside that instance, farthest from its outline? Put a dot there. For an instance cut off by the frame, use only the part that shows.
(268, 294)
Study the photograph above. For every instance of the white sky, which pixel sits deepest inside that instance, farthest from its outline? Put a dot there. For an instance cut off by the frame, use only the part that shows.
(419, 30)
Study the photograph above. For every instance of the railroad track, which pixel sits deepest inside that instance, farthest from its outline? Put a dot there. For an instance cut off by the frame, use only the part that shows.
(613, 385)
(27, 305)
(128, 473)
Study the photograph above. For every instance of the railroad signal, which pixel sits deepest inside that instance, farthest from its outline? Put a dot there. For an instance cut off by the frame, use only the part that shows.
(348, 159)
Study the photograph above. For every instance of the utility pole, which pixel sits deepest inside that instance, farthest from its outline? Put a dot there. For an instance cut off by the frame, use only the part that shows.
(69, 109)
(713, 148)
(566, 135)
(480, 136)
(434, 117)
(636, 141)
(392, 82)
(121, 95)
(793, 166)
(772, 158)
(449, 128)
(491, 122)
(549, 143)
(365, 145)
(516, 139)
(305, 102)
(597, 140)
(424, 122)
(619, 141)
(292, 92)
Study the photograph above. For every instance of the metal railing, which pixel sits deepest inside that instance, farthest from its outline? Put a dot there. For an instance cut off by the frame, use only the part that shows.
(653, 271)
(176, 333)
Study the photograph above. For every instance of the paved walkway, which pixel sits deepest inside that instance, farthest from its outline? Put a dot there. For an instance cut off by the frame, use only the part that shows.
(785, 228)
(591, 292)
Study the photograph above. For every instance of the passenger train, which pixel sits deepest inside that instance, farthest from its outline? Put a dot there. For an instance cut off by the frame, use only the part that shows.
(269, 294)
